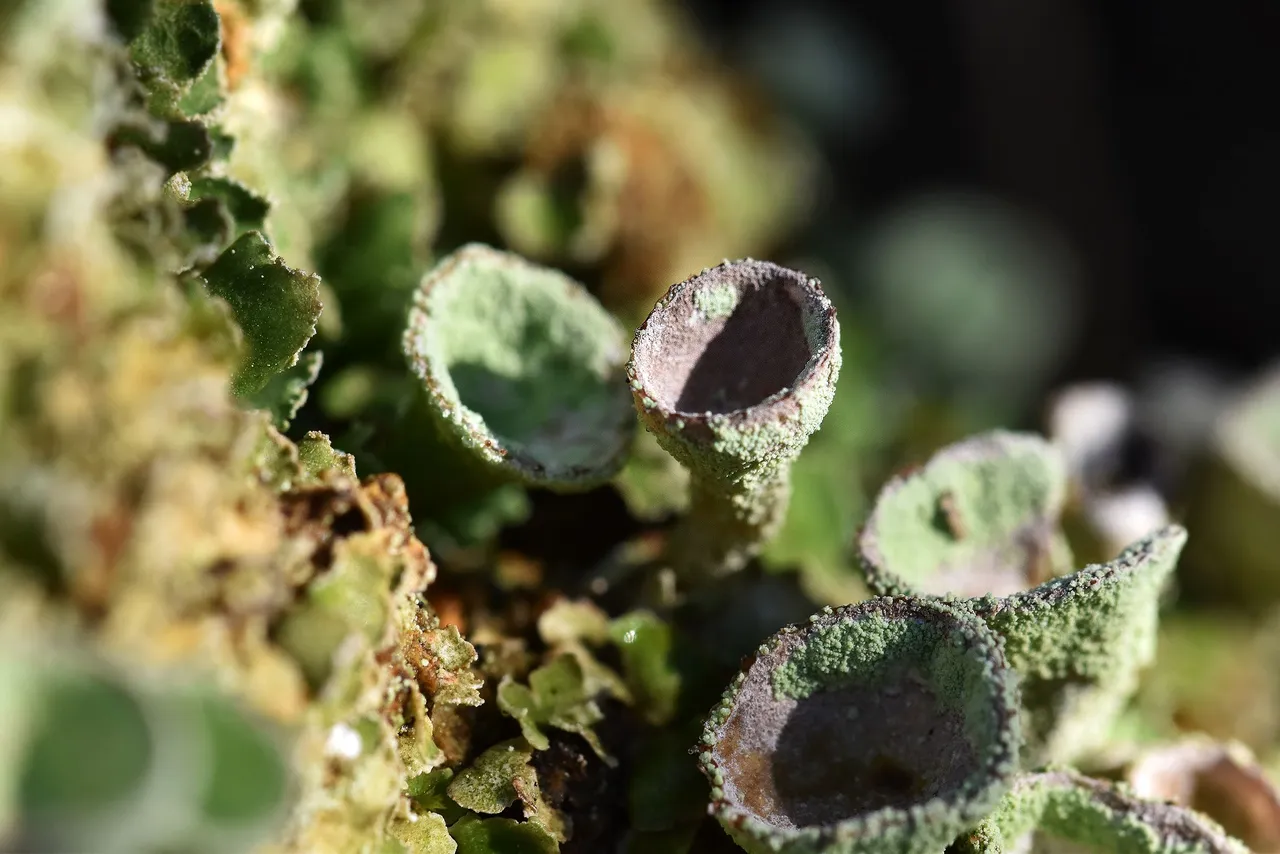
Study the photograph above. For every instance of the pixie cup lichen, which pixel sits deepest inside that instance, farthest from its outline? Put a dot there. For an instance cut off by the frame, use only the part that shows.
(887, 726)
(733, 371)
(1066, 811)
(980, 520)
(522, 368)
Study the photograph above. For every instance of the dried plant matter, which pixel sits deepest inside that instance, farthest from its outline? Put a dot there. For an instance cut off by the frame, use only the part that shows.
(732, 371)
(1223, 781)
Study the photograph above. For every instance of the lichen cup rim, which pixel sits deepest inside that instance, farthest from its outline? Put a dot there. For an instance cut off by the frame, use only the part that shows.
(885, 581)
(817, 312)
(469, 427)
(967, 804)
(1035, 794)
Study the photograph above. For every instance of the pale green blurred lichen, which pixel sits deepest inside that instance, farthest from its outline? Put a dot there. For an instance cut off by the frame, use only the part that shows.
(1235, 501)
(522, 368)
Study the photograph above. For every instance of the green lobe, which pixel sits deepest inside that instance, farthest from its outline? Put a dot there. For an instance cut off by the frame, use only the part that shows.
(475, 835)
(276, 306)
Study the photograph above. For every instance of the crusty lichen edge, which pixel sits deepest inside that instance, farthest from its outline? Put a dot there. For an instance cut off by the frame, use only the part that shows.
(874, 831)
(765, 431)
(1067, 805)
(450, 412)
(992, 445)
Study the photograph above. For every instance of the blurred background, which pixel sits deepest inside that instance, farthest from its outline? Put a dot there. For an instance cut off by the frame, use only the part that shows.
(1127, 148)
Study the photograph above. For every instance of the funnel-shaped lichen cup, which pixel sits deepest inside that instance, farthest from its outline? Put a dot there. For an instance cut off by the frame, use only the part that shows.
(887, 726)
(522, 368)
(980, 520)
(1068, 812)
(733, 371)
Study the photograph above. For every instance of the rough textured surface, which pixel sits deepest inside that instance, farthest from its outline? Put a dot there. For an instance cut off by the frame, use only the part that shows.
(733, 371)
(980, 520)
(1062, 809)
(885, 726)
(522, 367)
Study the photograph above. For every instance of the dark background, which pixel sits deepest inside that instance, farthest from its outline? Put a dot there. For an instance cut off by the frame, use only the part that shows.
(1146, 134)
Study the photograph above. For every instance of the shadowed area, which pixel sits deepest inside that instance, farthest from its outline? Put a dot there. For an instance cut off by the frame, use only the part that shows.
(844, 752)
(853, 750)
(729, 341)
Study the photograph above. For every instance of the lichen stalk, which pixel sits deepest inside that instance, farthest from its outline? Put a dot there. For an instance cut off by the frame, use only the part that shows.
(733, 371)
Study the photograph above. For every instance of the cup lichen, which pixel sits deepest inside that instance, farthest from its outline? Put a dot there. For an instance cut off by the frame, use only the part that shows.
(522, 367)
(890, 725)
(733, 371)
(980, 520)
(1064, 810)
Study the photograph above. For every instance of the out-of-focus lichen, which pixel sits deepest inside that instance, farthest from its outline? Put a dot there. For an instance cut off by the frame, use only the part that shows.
(1096, 426)
(1216, 675)
(522, 368)
(734, 398)
(1235, 499)
(981, 520)
(1063, 807)
(886, 726)
(1223, 781)
(275, 305)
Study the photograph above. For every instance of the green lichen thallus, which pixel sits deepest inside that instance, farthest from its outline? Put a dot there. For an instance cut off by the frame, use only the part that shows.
(733, 371)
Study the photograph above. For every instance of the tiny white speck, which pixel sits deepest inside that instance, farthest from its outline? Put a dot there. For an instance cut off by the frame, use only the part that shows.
(343, 742)
(629, 636)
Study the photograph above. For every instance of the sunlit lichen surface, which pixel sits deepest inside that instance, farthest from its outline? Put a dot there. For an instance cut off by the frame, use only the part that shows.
(980, 520)
(328, 524)
(890, 725)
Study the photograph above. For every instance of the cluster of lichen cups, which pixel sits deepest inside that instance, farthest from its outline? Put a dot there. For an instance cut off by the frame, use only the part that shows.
(907, 723)
(916, 720)
(732, 371)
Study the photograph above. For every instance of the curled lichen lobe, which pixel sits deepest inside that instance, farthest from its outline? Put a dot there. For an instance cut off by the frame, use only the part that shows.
(894, 718)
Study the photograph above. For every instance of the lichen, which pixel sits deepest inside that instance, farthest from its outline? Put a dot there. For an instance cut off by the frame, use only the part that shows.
(522, 367)
(886, 726)
(734, 399)
(980, 520)
(1057, 807)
